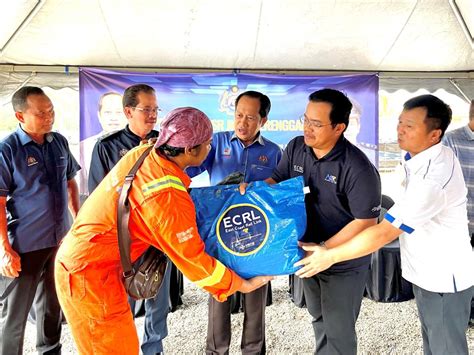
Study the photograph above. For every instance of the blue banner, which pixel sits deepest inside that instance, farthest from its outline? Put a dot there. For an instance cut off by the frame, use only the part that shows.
(215, 94)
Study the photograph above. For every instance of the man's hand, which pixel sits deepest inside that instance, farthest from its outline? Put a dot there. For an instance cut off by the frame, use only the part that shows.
(254, 283)
(243, 187)
(10, 264)
(317, 259)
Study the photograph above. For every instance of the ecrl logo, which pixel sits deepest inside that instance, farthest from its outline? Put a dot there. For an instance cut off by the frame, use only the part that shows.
(240, 219)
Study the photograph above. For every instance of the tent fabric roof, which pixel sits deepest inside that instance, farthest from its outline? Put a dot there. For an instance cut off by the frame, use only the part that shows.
(362, 35)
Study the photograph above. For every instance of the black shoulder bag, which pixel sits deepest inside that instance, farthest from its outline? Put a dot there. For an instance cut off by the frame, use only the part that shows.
(144, 278)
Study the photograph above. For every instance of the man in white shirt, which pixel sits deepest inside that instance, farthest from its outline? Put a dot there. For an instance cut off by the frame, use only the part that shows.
(437, 257)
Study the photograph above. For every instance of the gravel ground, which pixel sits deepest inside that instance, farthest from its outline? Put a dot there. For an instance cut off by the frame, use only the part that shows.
(382, 328)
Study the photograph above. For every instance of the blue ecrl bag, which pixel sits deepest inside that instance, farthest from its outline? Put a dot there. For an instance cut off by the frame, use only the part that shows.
(256, 233)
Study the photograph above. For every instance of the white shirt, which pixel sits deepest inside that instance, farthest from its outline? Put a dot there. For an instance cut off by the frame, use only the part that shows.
(435, 249)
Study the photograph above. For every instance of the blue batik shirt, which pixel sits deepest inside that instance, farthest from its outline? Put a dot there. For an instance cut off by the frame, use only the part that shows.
(34, 178)
(228, 155)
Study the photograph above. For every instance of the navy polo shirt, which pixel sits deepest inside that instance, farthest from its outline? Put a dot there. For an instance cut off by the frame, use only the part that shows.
(228, 155)
(108, 150)
(344, 185)
(34, 178)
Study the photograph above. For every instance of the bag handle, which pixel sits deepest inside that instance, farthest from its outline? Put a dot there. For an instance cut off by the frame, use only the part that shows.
(123, 215)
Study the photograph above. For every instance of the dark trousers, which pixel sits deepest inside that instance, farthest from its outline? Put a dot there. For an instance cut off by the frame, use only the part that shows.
(334, 301)
(176, 287)
(444, 319)
(156, 314)
(253, 334)
(37, 274)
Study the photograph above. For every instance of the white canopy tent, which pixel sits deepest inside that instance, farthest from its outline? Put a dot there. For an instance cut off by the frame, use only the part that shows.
(360, 35)
(425, 37)
(412, 44)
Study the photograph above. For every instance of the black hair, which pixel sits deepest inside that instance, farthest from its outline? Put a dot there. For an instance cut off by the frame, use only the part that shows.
(172, 151)
(340, 104)
(130, 95)
(438, 113)
(20, 97)
(265, 103)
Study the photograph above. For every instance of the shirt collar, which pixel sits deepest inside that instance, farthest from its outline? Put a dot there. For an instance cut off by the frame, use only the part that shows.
(172, 168)
(258, 139)
(334, 152)
(129, 132)
(25, 138)
(469, 133)
(421, 158)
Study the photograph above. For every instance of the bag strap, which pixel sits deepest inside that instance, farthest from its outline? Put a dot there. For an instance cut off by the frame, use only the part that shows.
(123, 215)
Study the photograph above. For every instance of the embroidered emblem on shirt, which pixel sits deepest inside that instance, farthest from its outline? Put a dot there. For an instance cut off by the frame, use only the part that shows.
(263, 159)
(331, 178)
(226, 152)
(184, 236)
(122, 152)
(376, 208)
(31, 161)
(298, 169)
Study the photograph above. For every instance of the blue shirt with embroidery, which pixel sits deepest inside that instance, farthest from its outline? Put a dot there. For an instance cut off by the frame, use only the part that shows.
(34, 178)
(229, 155)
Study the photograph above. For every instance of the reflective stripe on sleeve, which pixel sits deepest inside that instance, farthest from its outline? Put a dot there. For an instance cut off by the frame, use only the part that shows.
(164, 182)
(213, 279)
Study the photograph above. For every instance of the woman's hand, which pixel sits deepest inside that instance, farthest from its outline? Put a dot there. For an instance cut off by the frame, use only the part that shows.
(254, 283)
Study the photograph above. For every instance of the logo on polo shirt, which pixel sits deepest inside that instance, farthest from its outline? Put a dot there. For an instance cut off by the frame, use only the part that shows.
(331, 178)
(243, 229)
(226, 152)
(31, 161)
(298, 169)
(263, 159)
(122, 152)
(376, 208)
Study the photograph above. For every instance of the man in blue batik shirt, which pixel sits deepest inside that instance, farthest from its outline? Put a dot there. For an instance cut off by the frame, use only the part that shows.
(246, 151)
(37, 184)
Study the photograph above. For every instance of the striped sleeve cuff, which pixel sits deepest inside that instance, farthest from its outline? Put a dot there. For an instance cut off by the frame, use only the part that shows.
(398, 224)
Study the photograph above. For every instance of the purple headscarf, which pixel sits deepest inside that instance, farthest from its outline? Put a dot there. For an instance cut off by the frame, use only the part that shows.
(184, 127)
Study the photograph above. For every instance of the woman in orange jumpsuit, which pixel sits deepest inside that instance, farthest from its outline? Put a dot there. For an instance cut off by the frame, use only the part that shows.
(88, 269)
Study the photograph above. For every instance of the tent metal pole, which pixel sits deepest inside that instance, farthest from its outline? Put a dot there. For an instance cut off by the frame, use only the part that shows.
(455, 84)
(23, 24)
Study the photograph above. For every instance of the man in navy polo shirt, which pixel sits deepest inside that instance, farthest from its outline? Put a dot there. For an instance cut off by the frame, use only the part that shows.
(245, 151)
(36, 186)
(344, 199)
(430, 216)
(140, 106)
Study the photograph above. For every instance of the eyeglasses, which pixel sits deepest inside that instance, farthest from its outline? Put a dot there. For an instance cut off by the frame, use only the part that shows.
(148, 111)
(311, 123)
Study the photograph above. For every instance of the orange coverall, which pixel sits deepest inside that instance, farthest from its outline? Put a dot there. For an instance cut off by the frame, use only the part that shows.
(88, 271)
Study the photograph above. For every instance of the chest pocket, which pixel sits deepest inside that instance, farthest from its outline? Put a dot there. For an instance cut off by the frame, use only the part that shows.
(61, 167)
(260, 172)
